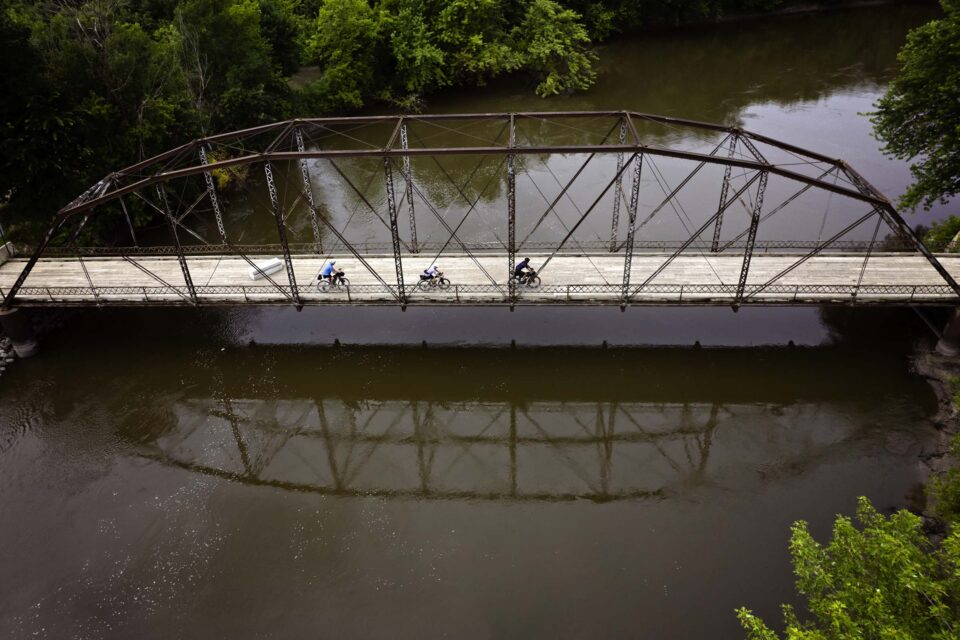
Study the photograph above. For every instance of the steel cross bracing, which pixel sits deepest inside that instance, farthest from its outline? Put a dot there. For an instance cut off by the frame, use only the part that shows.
(69, 267)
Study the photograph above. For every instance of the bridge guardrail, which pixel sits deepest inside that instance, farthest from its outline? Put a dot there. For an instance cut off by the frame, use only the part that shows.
(603, 294)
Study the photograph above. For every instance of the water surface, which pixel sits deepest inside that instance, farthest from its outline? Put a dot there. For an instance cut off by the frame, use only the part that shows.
(222, 474)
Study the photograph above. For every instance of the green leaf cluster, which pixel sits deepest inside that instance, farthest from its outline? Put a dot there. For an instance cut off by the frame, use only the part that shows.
(919, 116)
(883, 579)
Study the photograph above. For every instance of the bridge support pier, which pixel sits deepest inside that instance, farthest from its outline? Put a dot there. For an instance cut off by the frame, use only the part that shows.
(949, 344)
(16, 324)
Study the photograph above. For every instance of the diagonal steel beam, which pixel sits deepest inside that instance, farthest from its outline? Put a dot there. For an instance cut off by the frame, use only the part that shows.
(364, 199)
(454, 237)
(693, 238)
(151, 274)
(670, 196)
(587, 212)
(775, 210)
(162, 195)
(816, 251)
(894, 219)
(566, 187)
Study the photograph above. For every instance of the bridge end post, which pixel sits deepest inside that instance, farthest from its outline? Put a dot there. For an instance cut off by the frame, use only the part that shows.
(949, 343)
(16, 324)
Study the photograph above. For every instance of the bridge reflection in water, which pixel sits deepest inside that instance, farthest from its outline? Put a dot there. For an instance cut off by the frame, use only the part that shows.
(501, 450)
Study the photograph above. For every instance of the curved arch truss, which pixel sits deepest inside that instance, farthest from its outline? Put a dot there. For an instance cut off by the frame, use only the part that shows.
(613, 207)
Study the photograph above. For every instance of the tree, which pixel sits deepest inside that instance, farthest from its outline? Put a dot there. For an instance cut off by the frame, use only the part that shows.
(555, 45)
(420, 61)
(232, 76)
(919, 116)
(883, 580)
(474, 34)
(345, 44)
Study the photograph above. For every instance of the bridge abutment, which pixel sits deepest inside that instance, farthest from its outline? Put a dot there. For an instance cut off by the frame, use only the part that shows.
(16, 324)
(949, 343)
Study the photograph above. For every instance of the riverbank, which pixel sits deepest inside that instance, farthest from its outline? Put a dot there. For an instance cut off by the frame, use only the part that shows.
(941, 372)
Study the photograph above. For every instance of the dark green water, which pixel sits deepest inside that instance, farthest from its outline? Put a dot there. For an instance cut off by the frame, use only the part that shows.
(213, 474)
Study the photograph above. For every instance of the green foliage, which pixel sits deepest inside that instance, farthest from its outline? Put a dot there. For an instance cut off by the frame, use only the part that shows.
(944, 488)
(555, 44)
(421, 63)
(90, 86)
(919, 116)
(345, 44)
(474, 34)
(881, 580)
(940, 234)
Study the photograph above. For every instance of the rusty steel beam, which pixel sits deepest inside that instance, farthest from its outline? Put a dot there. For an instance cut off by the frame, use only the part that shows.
(653, 150)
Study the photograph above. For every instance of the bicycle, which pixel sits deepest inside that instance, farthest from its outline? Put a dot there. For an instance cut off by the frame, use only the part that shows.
(529, 279)
(337, 282)
(438, 282)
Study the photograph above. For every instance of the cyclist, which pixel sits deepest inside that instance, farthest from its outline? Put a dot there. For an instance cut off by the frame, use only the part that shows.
(522, 267)
(431, 272)
(330, 273)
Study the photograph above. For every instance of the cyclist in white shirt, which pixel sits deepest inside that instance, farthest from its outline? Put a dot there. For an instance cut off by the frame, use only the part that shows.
(431, 272)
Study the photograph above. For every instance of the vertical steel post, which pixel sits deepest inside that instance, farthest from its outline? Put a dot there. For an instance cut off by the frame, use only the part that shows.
(618, 188)
(176, 242)
(631, 229)
(751, 238)
(308, 193)
(212, 192)
(408, 179)
(724, 190)
(511, 214)
(394, 231)
(282, 232)
(863, 267)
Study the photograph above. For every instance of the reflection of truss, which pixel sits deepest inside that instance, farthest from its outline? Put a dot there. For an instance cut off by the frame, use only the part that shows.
(541, 451)
(179, 185)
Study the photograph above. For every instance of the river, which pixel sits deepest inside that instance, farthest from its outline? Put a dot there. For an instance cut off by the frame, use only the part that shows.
(456, 473)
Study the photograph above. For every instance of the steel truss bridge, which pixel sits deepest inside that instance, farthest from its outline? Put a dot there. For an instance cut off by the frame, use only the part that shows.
(614, 208)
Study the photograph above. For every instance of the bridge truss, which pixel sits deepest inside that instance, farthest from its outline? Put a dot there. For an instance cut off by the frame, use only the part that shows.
(460, 177)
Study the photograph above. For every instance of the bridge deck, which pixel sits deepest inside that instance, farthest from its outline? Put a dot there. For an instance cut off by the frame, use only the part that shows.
(593, 279)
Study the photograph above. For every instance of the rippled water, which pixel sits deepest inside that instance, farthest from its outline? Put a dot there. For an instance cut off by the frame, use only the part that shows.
(208, 474)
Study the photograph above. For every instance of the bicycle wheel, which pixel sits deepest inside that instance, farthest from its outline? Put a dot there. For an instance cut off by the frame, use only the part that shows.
(344, 283)
(323, 286)
(423, 285)
(533, 282)
(443, 283)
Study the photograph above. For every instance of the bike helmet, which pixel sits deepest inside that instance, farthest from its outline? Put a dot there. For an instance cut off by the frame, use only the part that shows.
(333, 262)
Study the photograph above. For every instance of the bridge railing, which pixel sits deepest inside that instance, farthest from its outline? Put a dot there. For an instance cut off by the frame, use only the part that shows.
(491, 294)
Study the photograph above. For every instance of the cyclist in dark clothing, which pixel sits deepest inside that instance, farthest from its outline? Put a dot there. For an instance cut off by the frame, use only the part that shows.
(522, 266)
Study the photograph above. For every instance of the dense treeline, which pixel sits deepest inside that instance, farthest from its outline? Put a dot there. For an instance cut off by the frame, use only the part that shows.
(89, 86)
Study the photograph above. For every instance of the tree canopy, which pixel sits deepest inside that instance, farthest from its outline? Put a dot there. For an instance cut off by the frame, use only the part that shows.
(87, 86)
(919, 116)
(884, 579)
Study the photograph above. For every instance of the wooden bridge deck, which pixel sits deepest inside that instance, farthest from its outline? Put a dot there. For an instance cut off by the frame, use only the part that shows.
(594, 279)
